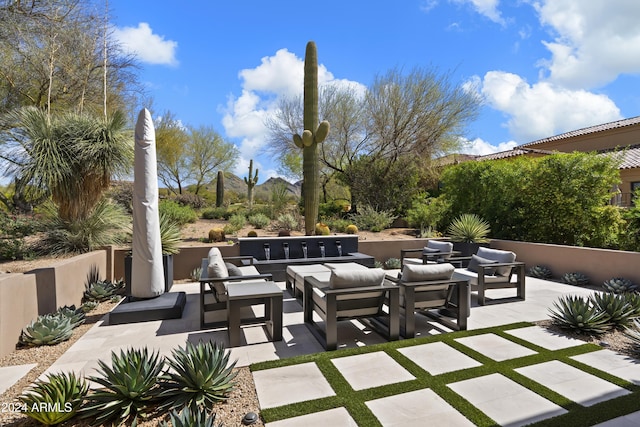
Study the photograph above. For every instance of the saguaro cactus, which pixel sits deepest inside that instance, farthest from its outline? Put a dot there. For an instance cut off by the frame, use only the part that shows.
(220, 189)
(312, 135)
(251, 182)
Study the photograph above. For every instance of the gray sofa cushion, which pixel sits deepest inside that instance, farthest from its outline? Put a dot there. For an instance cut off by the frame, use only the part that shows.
(345, 278)
(500, 257)
(426, 272)
(474, 265)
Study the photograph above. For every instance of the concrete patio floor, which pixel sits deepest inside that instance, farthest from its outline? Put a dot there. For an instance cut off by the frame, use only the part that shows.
(102, 339)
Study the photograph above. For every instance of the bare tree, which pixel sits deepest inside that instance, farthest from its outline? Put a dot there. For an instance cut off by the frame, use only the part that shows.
(207, 153)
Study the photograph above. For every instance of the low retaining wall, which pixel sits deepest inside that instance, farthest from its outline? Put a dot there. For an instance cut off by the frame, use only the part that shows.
(18, 294)
(598, 264)
(382, 250)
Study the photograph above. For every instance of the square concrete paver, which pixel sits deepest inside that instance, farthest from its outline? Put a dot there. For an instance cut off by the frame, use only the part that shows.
(438, 358)
(420, 407)
(290, 384)
(337, 417)
(505, 401)
(631, 420)
(544, 338)
(613, 363)
(495, 347)
(577, 385)
(9, 375)
(371, 370)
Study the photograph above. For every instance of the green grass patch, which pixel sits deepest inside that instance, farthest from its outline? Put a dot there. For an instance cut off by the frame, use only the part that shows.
(354, 400)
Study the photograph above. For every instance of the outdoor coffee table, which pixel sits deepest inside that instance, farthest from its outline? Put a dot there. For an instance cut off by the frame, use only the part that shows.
(252, 293)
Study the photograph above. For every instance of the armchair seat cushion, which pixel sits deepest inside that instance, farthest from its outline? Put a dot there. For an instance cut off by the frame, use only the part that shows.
(425, 272)
(472, 277)
(352, 278)
(475, 262)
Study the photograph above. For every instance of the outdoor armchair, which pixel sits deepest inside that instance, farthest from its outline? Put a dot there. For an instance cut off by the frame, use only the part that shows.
(493, 269)
(426, 289)
(350, 294)
(436, 251)
(214, 277)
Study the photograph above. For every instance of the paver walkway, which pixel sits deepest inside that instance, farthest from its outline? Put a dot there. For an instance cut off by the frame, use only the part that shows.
(285, 386)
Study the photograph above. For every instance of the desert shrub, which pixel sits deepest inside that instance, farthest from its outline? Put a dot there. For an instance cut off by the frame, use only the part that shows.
(229, 229)
(122, 194)
(177, 213)
(332, 209)
(192, 200)
(426, 213)
(339, 225)
(13, 230)
(371, 219)
(288, 222)
(215, 213)
(392, 263)
(259, 220)
(237, 221)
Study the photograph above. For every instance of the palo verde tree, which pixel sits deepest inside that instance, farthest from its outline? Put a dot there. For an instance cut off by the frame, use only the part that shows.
(312, 135)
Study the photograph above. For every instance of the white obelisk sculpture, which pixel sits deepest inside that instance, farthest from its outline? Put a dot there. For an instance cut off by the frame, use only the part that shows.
(147, 274)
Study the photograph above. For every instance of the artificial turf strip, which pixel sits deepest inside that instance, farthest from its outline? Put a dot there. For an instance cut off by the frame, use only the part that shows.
(354, 401)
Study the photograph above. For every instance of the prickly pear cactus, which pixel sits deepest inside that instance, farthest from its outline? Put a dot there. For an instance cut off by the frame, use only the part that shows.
(251, 182)
(312, 135)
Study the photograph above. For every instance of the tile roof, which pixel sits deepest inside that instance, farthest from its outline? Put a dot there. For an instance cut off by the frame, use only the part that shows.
(629, 158)
(586, 131)
(518, 151)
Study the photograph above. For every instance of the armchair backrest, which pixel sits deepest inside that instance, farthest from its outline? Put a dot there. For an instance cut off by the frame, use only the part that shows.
(444, 247)
(499, 256)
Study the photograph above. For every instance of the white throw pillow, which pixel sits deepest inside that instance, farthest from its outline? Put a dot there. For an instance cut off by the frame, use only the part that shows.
(216, 268)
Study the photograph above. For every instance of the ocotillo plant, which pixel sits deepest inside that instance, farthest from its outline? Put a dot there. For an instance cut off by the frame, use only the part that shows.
(251, 182)
(312, 135)
(220, 189)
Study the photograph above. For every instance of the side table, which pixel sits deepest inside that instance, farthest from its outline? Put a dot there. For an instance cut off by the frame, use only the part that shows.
(251, 293)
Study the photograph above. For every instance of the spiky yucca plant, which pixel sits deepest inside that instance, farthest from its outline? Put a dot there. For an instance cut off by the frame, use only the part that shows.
(469, 228)
(619, 285)
(129, 387)
(579, 314)
(189, 418)
(169, 235)
(575, 279)
(55, 400)
(48, 329)
(195, 274)
(75, 316)
(198, 376)
(540, 272)
(619, 312)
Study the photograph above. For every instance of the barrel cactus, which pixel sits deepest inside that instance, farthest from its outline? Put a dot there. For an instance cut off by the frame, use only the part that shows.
(216, 235)
(540, 272)
(575, 279)
(48, 329)
(351, 229)
(252, 233)
(312, 135)
(619, 285)
(322, 229)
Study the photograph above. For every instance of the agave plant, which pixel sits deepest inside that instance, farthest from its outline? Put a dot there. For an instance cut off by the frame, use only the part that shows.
(195, 274)
(198, 376)
(469, 228)
(100, 291)
(619, 285)
(540, 272)
(633, 332)
(89, 306)
(75, 316)
(48, 329)
(130, 388)
(392, 263)
(55, 400)
(633, 299)
(580, 314)
(617, 309)
(575, 279)
(189, 418)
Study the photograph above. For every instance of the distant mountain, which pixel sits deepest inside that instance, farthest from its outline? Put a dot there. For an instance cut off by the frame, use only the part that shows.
(263, 191)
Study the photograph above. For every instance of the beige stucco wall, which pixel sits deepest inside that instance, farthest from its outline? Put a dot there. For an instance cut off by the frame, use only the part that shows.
(17, 308)
(598, 264)
(63, 283)
(382, 250)
(613, 138)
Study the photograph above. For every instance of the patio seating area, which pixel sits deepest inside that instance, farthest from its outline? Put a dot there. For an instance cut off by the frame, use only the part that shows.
(256, 345)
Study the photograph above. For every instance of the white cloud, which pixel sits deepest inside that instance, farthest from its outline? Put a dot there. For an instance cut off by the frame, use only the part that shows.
(594, 41)
(147, 46)
(544, 109)
(488, 8)
(277, 76)
(480, 147)
(427, 5)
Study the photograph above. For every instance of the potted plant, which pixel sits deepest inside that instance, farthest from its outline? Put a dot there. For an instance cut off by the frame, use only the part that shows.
(170, 238)
(468, 232)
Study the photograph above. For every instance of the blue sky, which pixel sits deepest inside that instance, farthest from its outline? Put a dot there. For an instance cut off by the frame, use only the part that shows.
(542, 67)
